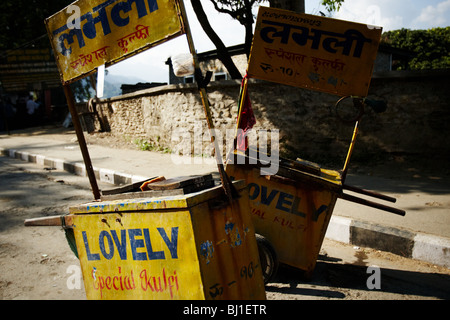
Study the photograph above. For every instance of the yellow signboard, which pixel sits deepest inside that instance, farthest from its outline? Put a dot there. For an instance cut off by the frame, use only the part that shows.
(313, 52)
(138, 256)
(90, 33)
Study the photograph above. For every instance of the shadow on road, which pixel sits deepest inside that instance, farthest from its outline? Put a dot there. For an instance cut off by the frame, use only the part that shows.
(331, 278)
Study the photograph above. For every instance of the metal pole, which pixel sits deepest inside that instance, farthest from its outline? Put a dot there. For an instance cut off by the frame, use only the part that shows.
(241, 103)
(81, 141)
(349, 154)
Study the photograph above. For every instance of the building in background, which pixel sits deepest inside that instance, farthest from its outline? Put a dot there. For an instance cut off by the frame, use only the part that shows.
(208, 61)
(31, 71)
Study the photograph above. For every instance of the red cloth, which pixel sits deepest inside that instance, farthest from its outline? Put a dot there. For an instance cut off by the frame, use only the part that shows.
(247, 119)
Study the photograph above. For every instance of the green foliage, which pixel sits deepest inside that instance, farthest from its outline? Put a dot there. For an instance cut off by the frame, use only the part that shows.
(431, 47)
(145, 145)
(332, 5)
(238, 9)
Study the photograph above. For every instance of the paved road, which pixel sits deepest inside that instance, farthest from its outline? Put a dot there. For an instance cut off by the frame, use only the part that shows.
(36, 262)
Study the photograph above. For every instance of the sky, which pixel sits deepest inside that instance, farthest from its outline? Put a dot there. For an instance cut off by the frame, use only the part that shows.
(149, 66)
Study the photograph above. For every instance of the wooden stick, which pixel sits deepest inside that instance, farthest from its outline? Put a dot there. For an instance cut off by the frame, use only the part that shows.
(350, 151)
(369, 193)
(51, 221)
(371, 204)
(81, 141)
(226, 182)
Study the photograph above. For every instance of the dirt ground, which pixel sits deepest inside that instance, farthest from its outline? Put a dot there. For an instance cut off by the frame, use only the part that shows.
(34, 260)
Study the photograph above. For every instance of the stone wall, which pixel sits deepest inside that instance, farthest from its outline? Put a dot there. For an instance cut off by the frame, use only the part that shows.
(415, 122)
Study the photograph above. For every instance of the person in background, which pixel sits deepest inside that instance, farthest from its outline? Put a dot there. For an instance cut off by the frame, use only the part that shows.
(32, 107)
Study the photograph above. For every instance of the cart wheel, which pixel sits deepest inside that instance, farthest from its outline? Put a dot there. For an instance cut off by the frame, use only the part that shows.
(268, 258)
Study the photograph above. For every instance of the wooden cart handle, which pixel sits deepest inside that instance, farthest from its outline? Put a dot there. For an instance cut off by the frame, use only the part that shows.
(64, 221)
(372, 204)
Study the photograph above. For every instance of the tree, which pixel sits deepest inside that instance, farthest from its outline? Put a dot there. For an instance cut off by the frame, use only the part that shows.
(241, 10)
(431, 47)
(222, 51)
(332, 5)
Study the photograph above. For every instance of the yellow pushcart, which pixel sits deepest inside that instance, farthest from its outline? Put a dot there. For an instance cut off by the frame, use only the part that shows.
(291, 208)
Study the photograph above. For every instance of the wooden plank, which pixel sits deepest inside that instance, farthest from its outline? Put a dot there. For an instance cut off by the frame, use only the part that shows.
(372, 204)
(174, 186)
(126, 188)
(142, 194)
(299, 164)
(50, 221)
(180, 182)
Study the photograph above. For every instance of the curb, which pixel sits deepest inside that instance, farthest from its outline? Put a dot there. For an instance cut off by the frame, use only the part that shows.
(77, 168)
(420, 246)
(414, 245)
